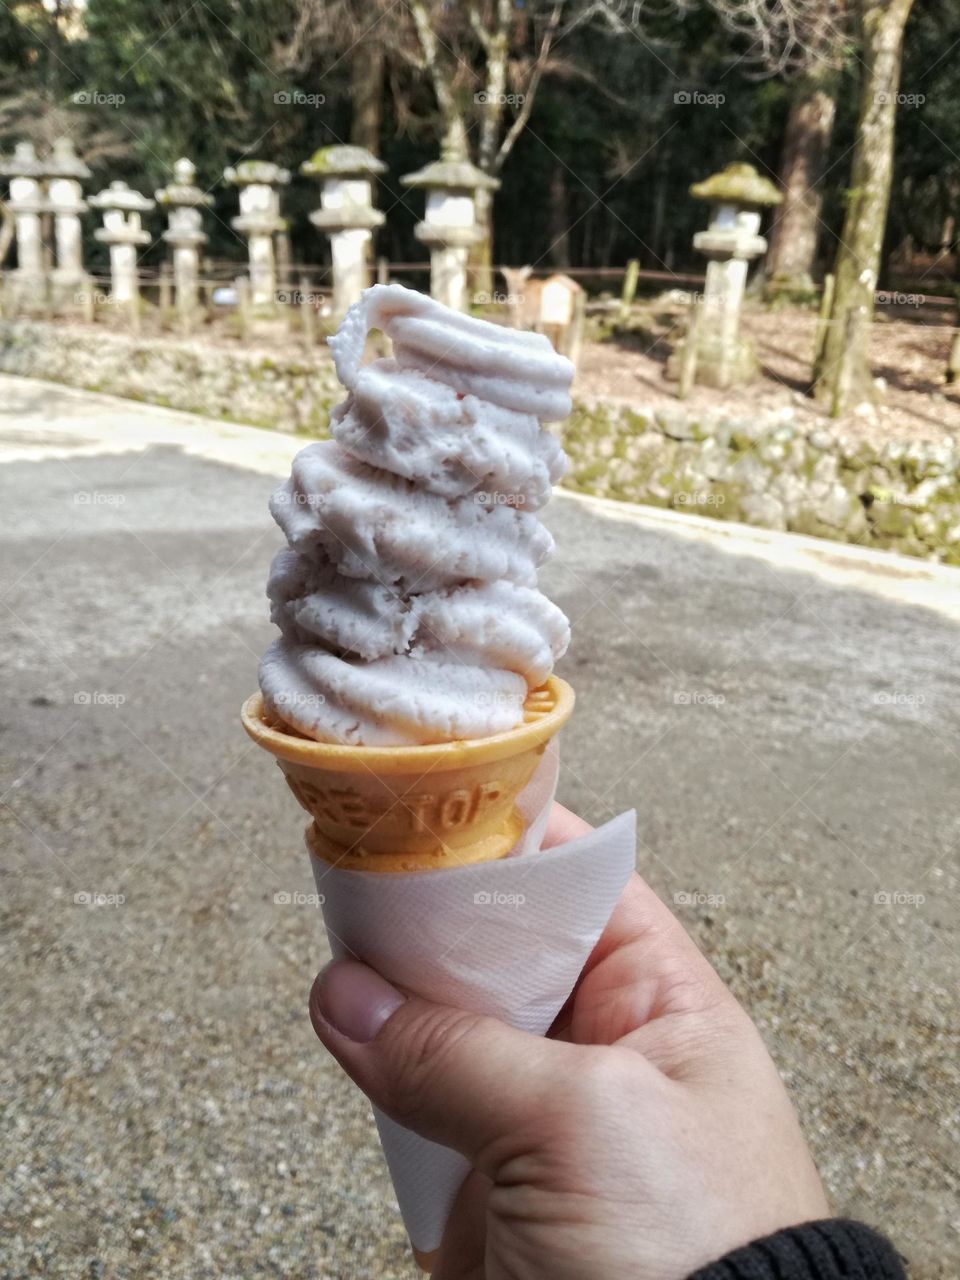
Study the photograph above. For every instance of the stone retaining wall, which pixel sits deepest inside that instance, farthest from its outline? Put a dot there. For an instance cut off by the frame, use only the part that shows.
(773, 473)
(769, 472)
(267, 389)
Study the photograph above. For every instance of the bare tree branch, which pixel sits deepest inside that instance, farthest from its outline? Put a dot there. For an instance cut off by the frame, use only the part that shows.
(533, 84)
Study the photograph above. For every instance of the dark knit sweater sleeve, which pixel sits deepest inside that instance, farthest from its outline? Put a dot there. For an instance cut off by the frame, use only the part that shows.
(831, 1250)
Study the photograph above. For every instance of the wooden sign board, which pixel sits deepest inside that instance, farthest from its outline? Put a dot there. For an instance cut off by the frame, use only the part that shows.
(558, 299)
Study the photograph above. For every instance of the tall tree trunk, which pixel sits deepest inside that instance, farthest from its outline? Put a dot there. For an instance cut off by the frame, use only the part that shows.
(480, 257)
(496, 48)
(795, 231)
(843, 374)
(367, 93)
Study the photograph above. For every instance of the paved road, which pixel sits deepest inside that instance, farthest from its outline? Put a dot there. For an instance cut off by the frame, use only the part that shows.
(784, 716)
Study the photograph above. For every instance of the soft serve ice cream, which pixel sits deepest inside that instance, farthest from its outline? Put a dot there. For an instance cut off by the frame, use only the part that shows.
(407, 597)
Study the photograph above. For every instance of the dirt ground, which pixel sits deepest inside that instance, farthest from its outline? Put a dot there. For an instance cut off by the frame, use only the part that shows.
(909, 354)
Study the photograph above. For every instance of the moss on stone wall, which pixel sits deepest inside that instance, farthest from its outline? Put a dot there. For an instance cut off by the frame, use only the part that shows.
(772, 472)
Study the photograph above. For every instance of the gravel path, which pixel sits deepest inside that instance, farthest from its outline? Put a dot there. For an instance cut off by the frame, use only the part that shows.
(784, 718)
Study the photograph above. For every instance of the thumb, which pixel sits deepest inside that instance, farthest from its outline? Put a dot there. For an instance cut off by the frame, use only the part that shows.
(466, 1081)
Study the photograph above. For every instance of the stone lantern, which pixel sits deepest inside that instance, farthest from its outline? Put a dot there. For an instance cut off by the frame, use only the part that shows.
(65, 172)
(122, 231)
(737, 196)
(259, 182)
(346, 215)
(450, 223)
(184, 201)
(29, 205)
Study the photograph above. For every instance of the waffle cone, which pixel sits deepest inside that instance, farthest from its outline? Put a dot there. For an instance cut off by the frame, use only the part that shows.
(417, 808)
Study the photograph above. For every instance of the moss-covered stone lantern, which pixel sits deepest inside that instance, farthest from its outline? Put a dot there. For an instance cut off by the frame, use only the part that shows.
(346, 215)
(450, 225)
(737, 195)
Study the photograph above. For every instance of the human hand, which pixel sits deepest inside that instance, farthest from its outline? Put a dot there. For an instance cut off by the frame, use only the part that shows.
(648, 1135)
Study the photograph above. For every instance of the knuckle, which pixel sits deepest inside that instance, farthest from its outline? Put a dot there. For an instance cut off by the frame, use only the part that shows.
(423, 1050)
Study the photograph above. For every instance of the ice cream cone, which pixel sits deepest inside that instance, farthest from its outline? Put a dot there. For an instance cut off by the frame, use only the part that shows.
(417, 808)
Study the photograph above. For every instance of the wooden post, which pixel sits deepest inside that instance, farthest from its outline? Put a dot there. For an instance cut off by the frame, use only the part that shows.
(823, 324)
(688, 352)
(383, 271)
(576, 327)
(283, 261)
(307, 315)
(86, 300)
(242, 286)
(166, 289)
(629, 292)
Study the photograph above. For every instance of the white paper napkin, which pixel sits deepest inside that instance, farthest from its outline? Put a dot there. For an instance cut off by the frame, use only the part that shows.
(506, 938)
